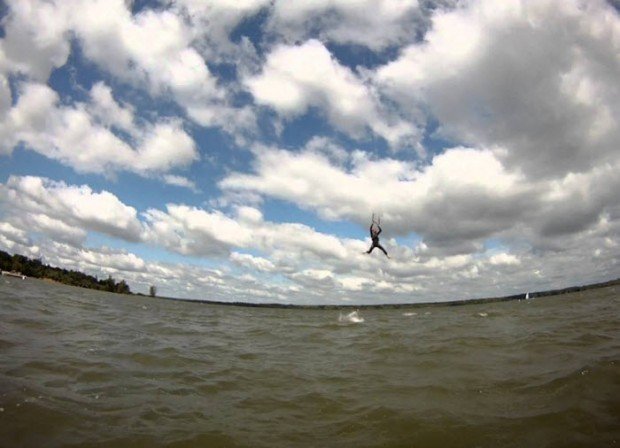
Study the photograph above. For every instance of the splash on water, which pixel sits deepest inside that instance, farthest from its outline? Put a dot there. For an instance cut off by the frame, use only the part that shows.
(351, 318)
(410, 314)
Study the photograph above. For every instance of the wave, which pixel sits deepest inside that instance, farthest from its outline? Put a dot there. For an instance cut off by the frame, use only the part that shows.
(351, 318)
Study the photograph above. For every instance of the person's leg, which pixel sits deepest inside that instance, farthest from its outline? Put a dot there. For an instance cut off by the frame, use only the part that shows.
(384, 251)
(372, 247)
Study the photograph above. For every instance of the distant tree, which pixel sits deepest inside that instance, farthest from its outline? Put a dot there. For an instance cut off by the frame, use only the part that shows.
(18, 263)
(108, 285)
(122, 287)
(152, 291)
(36, 268)
(5, 261)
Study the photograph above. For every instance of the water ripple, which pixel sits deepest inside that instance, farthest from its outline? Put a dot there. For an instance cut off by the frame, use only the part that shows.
(84, 368)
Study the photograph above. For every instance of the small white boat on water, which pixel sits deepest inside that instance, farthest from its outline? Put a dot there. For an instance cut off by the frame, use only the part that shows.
(14, 274)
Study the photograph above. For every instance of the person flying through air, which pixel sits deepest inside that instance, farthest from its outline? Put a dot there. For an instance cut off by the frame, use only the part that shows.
(375, 230)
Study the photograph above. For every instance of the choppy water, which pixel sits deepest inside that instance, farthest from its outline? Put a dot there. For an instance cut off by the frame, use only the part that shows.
(84, 368)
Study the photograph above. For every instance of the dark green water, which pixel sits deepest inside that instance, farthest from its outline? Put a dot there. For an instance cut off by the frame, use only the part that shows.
(83, 368)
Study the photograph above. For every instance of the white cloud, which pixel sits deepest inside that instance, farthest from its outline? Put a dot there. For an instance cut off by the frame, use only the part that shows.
(291, 85)
(579, 201)
(36, 38)
(104, 260)
(163, 147)
(180, 181)
(317, 267)
(536, 79)
(315, 278)
(526, 90)
(104, 107)
(53, 228)
(5, 97)
(250, 261)
(79, 136)
(374, 24)
(156, 49)
(213, 21)
(311, 259)
(504, 259)
(152, 46)
(436, 201)
(45, 203)
(171, 280)
(463, 197)
(352, 283)
(153, 49)
(12, 236)
(193, 231)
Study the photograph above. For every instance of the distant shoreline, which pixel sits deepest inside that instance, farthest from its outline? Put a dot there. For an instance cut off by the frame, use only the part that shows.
(22, 266)
(36, 269)
(522, 296)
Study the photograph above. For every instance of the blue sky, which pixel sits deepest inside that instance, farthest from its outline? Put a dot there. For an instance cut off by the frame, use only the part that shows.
(237, 150)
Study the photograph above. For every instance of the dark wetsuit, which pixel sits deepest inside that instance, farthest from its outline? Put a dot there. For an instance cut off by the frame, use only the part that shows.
(374, 234)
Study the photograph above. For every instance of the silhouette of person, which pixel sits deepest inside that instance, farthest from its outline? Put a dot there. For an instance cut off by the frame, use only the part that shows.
(375, 230)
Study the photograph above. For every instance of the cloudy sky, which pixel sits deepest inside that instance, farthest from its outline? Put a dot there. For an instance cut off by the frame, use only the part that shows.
(236, 150)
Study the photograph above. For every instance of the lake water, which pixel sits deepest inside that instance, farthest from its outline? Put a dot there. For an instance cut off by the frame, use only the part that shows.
(86, 368)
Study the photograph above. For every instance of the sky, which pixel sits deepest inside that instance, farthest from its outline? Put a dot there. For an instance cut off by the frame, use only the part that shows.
(236, 150)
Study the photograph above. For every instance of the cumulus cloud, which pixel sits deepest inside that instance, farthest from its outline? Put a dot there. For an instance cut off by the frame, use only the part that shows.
(317, 267)
(442, 200)
(463, 197)
(504, 259)
(341, 21)
(153, 49)
(317, 262)
(164, 146)
(212, 23)
(81, 135)
(106, 110)
(68, 211)
(171, 279)
(180, 181)
(252, 262)
(291, 85)
(515, 101)
(535, 79)
(103, 260)
(14, 238)
(36, 38)
(53, 228)
(195, 231)
(579, 201)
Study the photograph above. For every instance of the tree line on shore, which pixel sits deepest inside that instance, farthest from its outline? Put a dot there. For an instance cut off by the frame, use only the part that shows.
(36, 268)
